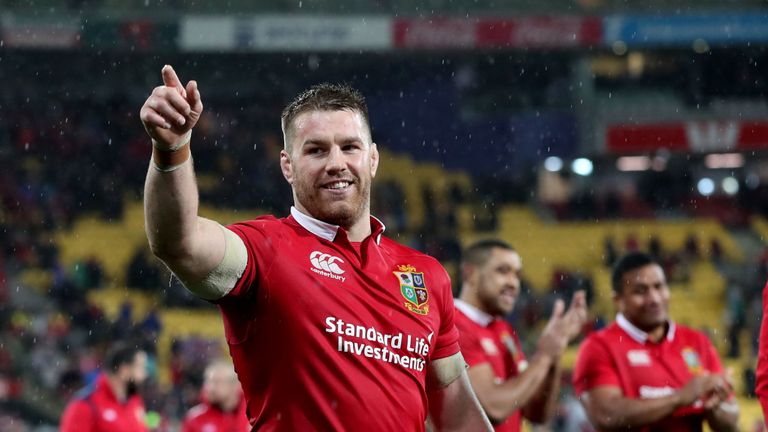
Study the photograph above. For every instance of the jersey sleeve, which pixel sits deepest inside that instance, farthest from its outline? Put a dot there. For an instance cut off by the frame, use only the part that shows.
(261, 246)
(594, 367)
(470, 348)
(761, 387)
(447, 343)
(77, 417)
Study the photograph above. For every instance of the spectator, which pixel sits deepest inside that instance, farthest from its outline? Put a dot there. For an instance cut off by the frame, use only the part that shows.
(112, 403)
(222, 407)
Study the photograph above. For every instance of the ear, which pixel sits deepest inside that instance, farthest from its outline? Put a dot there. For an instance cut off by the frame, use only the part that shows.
(618, 301)
(468, 271)
(286, 166)
(374, 159)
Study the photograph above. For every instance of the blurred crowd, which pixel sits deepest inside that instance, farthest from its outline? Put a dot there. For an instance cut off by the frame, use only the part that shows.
(73, 156)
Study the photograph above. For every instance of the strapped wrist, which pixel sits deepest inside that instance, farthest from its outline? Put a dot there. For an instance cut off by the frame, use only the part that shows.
(167, 160)
(176, 147)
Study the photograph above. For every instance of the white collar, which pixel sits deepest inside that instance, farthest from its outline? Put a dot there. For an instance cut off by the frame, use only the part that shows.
(638, 335)
(324, 230)
(473, 313)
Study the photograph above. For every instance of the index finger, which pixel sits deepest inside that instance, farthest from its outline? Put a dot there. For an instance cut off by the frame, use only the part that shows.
(170, 78)
(558, 309)
(579, 299)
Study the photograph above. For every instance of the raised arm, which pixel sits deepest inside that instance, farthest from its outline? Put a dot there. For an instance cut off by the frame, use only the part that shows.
(189, 245)
(542, 406)
(534, 390)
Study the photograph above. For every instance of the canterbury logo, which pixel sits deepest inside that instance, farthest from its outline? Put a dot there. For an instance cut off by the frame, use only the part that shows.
(326, 265)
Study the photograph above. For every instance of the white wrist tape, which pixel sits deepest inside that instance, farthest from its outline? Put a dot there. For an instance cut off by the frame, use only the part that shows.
(182, 142)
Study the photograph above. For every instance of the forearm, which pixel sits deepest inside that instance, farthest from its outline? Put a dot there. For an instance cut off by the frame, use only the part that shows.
(622, 413)
(170, 209)
(542, 407)
(516, 393)
(191, 246)
(724, 418)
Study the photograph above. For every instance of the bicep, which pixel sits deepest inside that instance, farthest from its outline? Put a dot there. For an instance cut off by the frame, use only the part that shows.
(452, 402)
(483, 380)
(220, 260)
(444, 371)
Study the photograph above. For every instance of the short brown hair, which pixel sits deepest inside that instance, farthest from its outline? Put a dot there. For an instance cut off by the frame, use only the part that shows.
(477, 253)
(325, 97)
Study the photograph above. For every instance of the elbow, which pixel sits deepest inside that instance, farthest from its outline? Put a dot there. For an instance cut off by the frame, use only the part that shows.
(172, 245)
(168, 253)
(161, 251)
(497, 413)
(606, 422)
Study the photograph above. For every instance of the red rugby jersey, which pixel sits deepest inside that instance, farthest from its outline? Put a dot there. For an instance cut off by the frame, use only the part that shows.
(96, 409)
(621, 356)
(484, 339)
(761, 387)
(328, 335)
(206, 417)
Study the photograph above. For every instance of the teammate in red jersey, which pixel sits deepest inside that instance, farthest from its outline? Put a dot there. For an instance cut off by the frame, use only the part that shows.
(222, 408)
(111, 403)
(761, 385)
(507, 384)
(646, 373)
(331, 326)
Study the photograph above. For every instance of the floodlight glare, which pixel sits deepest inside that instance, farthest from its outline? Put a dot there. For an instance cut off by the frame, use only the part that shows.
(582, 166)
(553, 164)
(706, 186)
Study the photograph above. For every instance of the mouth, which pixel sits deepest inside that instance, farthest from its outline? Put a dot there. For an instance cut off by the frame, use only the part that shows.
(508, 295)
(338, 185)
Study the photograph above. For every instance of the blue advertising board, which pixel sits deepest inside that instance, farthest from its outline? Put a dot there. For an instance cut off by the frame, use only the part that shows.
(683, 30)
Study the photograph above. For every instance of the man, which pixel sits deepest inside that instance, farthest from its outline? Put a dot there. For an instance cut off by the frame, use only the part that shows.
(761, 374)
(222, 408)
(111, 403)
(507, 385)
(646, 373)
(330, 325)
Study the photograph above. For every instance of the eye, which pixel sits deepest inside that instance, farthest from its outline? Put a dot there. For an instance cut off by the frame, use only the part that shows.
(351, 146)
(313, 150)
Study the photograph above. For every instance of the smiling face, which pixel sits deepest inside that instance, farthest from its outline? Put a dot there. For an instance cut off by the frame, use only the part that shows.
(221, 387)
(496, 282)
(133, 374)
(330, 161)
(644, 297)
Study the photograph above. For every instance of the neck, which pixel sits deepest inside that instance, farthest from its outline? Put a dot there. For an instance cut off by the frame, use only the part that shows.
(656, 334)
(472, 300)
(361, 228)
(118, 387)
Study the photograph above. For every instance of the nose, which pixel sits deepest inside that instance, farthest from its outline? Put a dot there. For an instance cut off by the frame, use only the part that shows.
(335, 162)
(654, 296)
(514, 282)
